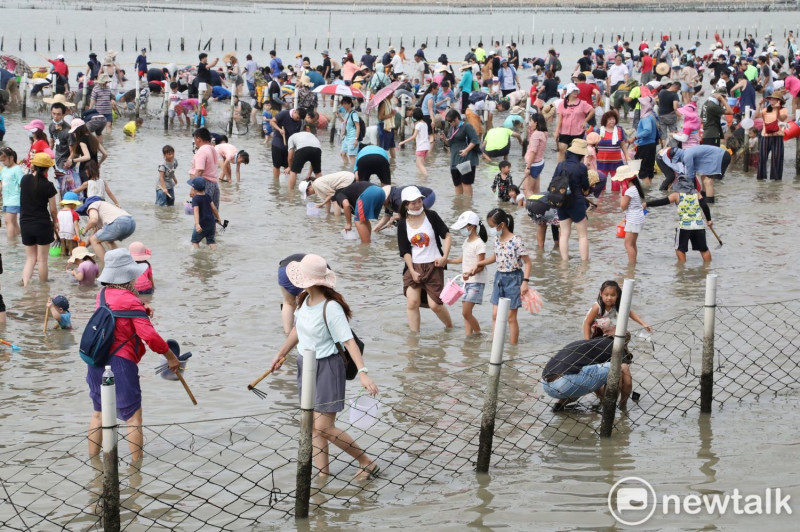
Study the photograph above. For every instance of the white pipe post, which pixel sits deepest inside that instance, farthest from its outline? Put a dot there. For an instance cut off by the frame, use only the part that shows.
(707, 371)
(24, 89)
(108, 406)
(138, 88)
(612, 382)
(333, 116)
(746, 147)
(233, 110)
(305, 450)
(490, 400)
(165, 109)
(403, 104)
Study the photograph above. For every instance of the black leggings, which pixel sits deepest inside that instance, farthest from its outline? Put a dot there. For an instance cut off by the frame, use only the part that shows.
(647, 154)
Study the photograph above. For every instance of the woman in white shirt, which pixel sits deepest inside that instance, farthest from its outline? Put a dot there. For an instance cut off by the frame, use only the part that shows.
(322, 322)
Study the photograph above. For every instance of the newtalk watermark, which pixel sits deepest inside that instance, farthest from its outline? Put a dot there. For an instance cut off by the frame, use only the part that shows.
(633, 501)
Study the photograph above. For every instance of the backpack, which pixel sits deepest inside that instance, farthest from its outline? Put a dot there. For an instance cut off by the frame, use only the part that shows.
(557, 65)
(99, 333)
(559, 194)
(362, 129)
(426, 67)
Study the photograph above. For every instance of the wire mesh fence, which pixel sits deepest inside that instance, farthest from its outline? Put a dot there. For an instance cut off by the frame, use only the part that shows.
(239, 472)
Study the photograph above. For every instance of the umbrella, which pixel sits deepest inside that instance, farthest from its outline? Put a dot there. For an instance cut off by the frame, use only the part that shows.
(339, 90)
(16, 65)
(382, 95)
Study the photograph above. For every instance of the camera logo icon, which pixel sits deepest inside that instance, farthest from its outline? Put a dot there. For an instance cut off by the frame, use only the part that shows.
(632, 501)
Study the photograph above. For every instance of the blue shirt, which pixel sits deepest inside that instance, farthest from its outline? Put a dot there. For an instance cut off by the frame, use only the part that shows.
(646, 132)
(276, 65)
(466, 82)
(316, 78)
(220, 93)
(206, 215)
(511, 120)
(370, 150)
(425, 111)
(313, 333)
(703, 159)
(141, 63)
(65, 321)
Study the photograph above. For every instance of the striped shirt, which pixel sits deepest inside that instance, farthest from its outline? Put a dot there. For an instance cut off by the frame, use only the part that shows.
(102, 99)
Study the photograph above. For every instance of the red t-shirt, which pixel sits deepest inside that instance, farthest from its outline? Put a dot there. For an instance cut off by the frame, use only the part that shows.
(118, 299)
(647, 64)
(586, 90)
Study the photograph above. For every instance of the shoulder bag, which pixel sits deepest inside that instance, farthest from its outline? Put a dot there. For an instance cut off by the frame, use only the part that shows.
(350, 367)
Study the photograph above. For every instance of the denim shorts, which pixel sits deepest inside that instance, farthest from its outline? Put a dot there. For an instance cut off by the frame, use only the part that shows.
(162, 199)
(208, 234)
(473, 293)
(507, 284)
(586, 381)
(119, 229)
(284, 282)
(14, 209)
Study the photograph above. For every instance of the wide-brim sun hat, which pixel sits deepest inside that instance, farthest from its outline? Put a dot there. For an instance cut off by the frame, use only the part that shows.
(662, 69)
(578, 147)
(103, 78)
(120, 268)
(138, 251)
(58, 98)
(311, 271)
(624, 173)
(75, 124)
(466, 218)
(779, 94)
(71, 197)
(80, 252)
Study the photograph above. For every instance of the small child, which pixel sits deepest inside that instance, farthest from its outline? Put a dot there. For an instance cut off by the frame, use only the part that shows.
(94, 186)
(515, 196)
(690, 135)
(132, 127)
(68, 229)
(175, 107)
(543, 214)
(165, 185)
(602, 317)
(473, 251)
(423, 143)
(502, 181)
(631, 202)
(59, 309)
(87, 270)
(205, 214)
(511, 256)
(144, 283)
(2, 122)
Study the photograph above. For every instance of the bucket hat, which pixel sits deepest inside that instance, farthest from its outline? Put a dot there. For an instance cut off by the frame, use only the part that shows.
(80, 252)
(624, 172)
(311, 271)
(120, 268)
(578, 147)
(138, 251)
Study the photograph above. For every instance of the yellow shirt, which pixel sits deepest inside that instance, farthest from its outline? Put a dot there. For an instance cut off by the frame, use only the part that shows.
(130, 128)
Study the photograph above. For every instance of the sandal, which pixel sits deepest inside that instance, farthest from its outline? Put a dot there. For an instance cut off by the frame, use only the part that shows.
(370, 473)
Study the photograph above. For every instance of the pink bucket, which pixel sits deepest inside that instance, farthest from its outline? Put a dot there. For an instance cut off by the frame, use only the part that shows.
(452, 291)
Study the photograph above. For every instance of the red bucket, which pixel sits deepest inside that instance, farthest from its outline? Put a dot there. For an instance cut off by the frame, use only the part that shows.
(793, 132)
(621, 229)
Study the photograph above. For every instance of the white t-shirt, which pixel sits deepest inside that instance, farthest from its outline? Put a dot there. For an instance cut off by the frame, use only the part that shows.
(469, 259)
(303, 139)
(634, 213)
(370, 136)
(96, 187)
(423, 243)
(66, 227)
(174, 99)
(422, 140)
(617, 73)
(397, 65)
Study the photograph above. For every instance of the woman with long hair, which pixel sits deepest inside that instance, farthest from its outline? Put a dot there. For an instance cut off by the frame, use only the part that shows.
(322, 323)
(85, 149)
(38, 227)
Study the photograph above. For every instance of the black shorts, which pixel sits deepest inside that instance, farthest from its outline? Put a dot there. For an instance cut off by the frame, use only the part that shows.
(710, 142)
(462, 179)
(567, 139)
(309, 154)
(427, 120)
(280, 157)
(2, 304)
(696, 236)
(374, 164)
(36, 234)
(499, 153)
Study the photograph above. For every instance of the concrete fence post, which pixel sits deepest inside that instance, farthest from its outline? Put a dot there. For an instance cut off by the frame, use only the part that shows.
(618, 351)
(490, 399)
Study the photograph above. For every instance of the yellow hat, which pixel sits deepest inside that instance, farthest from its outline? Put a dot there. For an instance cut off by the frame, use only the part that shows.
(42, 160)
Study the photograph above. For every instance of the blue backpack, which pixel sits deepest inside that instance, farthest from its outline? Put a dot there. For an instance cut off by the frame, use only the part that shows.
(98, 335)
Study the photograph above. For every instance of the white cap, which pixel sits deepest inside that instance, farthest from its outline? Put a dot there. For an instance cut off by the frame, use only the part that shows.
(646, 50)
(60, 56)
(466, 218)
(654, 84)
(410, 194)
(570, 88)
(304, 188)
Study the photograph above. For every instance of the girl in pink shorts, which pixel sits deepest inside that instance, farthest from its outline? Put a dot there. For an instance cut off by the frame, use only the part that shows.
(423, 141)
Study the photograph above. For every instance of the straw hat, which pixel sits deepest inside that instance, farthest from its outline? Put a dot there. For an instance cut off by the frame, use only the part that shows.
(578, 147)
(662, 69)
(624, 173)
(103, 78)
(138, 251)
(58, 98)
(80, 253)
(120, 268)
(779, 94)
(311, 271)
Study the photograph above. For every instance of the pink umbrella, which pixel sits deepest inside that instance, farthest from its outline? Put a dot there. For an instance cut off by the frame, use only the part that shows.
(382, 94)
(339, 90)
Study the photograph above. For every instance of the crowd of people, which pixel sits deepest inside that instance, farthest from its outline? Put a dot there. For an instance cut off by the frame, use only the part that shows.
(621, 115)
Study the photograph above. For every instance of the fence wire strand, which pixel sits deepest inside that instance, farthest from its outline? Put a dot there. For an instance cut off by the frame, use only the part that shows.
(233, 473)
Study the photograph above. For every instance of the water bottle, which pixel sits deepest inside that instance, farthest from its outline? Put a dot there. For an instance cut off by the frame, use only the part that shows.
(108, 377)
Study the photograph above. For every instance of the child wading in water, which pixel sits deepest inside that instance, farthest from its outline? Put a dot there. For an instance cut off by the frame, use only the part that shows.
(423, 145)
(503, 181)
(68, 228)
(474, 251)
(87, 270)
(511, 257)
(59, 309)
(602, 321)
(144, 283)
(631, 202)
(205, 214)
(95, 186)
(165, 184)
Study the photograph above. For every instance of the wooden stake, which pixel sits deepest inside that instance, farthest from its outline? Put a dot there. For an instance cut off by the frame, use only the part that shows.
(46, 317)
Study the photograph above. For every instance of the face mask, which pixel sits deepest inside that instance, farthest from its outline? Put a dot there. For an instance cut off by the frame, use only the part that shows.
(58, 122)
(416, 212)
(491, 230)
(464, 232)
